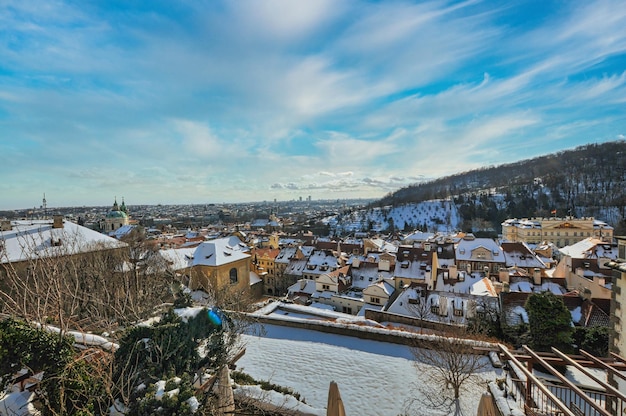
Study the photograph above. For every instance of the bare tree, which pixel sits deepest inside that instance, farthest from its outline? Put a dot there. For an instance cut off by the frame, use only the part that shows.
(420, 308)
(75, 285)
(450, 367)
(83, 285)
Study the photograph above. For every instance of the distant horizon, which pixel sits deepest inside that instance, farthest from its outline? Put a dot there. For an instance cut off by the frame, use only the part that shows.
(231, 102)
(130, 205)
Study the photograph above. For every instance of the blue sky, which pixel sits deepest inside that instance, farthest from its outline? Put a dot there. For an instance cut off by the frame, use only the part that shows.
(234, 101)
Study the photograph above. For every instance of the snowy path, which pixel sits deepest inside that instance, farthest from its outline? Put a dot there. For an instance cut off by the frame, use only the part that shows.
(374, 378)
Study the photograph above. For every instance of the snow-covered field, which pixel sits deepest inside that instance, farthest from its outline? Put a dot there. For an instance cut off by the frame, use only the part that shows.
(374, 378)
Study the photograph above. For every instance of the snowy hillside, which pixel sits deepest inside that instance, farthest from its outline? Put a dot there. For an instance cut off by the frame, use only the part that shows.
(429, 216)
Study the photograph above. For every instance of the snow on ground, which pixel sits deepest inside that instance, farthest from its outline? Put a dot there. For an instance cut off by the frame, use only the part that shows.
(433, 215)
(374, 378)
(281, 401)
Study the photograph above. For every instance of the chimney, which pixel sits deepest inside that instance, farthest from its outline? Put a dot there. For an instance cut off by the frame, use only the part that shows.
(5, 225)
(454, 272)
(503, 275)
(384, 265)
(57, 221)
(537, 276)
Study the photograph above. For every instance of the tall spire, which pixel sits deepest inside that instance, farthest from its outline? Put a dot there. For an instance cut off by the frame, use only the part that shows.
(44, 206)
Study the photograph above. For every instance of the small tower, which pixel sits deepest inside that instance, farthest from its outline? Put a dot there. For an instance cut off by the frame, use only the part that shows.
(44, 206)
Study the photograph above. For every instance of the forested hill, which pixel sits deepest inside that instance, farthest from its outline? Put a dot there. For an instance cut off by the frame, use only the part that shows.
(587, 181)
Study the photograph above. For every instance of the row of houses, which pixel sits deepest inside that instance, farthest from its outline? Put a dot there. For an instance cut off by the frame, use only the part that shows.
(449, 273)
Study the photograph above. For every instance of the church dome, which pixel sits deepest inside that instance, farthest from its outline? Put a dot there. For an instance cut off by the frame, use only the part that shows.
(117, 214)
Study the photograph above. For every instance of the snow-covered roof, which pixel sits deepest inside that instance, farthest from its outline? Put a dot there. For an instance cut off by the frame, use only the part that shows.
(178, 258)
(122, 231)
(520, 255)
(590, 248)
(254, 278)
(369, 306)
(285, 254)
(466, 247)
(418, 236)
(367, 274)
(483, 287)
(220, 251)
(409, 269)
(403, 303)
(463, 284)
(382, 284)
(302, 286)
(521, 286)
(323, 258)
(527, 286)
(37, 238)
(296, 267)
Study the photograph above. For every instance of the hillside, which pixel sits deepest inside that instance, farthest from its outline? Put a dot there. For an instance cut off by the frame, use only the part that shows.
(436, 215)
(589, 180)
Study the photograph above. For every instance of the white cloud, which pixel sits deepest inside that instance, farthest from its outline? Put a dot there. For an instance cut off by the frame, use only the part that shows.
(199, 139)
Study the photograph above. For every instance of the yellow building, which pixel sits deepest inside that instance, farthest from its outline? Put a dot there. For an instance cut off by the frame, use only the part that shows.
(223, 263)
(263, 263)
(558, 231)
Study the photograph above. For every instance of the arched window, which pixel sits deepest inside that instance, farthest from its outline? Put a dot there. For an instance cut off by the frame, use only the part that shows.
(233, 276)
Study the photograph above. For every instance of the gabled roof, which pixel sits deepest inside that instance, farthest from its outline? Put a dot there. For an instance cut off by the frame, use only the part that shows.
(271, 253)
(383, 285)
(466, 247)
(37, 238)
(220, 251)
(520, 255)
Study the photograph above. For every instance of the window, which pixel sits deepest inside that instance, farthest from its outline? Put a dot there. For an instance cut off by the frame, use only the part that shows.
(376, 300)
(233, 276)
(325, 287)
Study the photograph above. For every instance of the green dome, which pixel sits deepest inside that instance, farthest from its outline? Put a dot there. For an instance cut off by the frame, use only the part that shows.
(117, 214)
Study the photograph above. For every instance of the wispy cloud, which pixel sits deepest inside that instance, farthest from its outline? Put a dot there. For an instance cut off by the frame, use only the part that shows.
(236, 101)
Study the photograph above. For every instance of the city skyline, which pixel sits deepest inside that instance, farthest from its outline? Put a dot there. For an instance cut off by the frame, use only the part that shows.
(230, 101)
